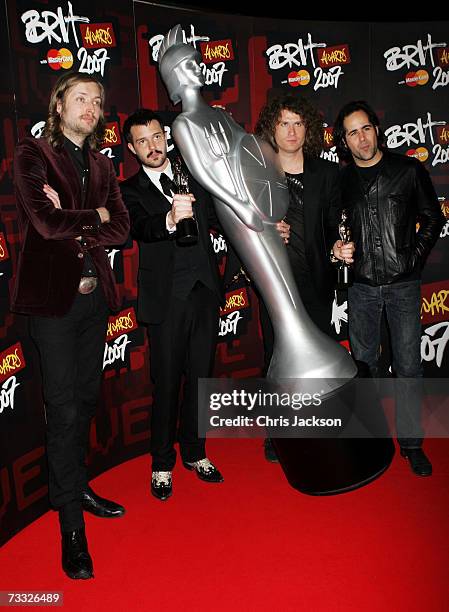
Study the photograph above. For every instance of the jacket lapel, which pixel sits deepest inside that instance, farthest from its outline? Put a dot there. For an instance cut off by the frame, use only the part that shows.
(94, 187)
(70, 174)
(153, 199)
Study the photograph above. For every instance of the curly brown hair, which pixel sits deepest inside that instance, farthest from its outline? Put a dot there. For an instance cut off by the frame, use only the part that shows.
(52, 131)
(269, 118)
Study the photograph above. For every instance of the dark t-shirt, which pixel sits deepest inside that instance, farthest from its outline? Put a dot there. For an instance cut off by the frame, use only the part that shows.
(295, 218)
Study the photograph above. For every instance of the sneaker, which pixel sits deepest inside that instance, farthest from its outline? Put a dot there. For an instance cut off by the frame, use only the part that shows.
(205, 470)
(161, 485)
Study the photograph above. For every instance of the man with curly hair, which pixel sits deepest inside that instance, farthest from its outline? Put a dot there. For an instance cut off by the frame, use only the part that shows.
(69, 209)
(294, 128)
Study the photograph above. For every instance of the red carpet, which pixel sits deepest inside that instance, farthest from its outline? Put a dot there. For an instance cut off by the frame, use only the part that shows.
(252, 543)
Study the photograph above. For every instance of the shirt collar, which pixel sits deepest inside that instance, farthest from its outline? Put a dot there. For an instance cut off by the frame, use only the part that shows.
(75, 151)
(155, 176)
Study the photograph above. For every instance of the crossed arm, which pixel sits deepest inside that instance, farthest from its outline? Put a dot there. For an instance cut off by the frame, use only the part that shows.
(44, 207)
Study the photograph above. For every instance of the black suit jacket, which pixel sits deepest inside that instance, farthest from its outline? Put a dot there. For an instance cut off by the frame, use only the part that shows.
(322, 209)
(148, 209)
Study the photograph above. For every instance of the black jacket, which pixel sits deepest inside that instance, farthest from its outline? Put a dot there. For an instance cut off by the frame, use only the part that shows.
(148, 209)
(383, 219)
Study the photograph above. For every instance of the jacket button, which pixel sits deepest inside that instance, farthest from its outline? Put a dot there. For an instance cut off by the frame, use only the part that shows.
(80, 255)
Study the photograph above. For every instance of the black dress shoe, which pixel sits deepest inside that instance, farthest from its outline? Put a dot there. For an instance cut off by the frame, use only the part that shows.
(205, 470)
(270, 453)
(99, 506)
(76, 561)
(161, 485)
(419, 463)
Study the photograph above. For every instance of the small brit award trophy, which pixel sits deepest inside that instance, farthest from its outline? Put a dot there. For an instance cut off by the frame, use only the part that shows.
(186, 229)
(344, 270)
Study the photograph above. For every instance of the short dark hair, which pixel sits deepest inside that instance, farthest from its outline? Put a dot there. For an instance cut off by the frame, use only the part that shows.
(142, 116)
(269, 118)
(339, 128)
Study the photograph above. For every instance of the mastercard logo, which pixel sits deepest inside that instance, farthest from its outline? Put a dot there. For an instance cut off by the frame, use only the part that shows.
(302, 77)
(59, 59)
(420, 77)
(420, 153)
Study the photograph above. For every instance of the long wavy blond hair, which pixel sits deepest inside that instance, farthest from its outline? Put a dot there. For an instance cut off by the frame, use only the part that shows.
(52, 131)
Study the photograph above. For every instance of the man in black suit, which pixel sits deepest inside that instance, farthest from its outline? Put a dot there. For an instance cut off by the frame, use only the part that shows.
(179, 297)
(294, 128)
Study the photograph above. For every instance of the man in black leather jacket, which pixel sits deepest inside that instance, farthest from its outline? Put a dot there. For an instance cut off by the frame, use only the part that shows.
(386, 196)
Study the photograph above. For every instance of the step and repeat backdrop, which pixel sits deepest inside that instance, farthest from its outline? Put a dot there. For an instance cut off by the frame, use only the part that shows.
(401, 69)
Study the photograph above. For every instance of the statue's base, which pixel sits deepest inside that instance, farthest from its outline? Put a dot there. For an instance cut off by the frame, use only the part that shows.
(328, 467)
(357, 456)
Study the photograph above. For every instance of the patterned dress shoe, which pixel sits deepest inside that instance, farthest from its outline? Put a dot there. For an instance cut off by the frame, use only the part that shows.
(76, 561)
(161, 485)
(205, 470)
(99, 506)
(419, 463)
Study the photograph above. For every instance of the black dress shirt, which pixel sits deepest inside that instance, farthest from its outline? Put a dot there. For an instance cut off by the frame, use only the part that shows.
(79, 157)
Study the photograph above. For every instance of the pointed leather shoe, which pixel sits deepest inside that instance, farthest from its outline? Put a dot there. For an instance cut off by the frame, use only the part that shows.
(99, 506)
(76, 561)
(419, 463)
(161, 485)
(205, 470)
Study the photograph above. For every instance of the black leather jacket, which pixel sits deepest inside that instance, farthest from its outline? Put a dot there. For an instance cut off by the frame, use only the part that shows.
(383, 219)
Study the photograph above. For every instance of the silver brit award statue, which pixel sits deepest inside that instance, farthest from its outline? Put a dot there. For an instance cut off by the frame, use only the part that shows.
(250, 193)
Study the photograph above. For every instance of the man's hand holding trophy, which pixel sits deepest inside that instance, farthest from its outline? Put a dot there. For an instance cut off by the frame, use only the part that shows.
(342, 253)
(186, 226)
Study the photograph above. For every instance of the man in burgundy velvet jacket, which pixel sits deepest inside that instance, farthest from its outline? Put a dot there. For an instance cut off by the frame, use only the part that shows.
(70, 208)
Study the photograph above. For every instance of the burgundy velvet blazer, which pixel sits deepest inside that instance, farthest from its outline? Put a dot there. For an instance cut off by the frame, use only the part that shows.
(51, 259)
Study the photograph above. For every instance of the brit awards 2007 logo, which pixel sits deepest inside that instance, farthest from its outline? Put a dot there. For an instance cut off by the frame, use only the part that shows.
(12, 362)
(419, 136)
(119, 326)
(420, 63)
(435, 315)
(65, 30)
(217, 55)
(231, 314)
(308, 62)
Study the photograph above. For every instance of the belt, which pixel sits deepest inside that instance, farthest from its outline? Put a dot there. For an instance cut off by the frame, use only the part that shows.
(87, 284)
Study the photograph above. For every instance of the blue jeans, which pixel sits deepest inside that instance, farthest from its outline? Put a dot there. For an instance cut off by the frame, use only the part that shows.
(402, 303)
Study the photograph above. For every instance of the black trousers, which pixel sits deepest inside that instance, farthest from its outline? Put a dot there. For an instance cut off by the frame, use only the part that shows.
(183, 344)
(71, 350)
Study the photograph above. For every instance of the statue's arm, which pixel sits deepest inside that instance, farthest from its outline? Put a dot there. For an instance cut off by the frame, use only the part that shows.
(194, 160)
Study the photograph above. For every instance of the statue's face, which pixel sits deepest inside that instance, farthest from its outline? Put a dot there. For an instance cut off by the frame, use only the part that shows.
(189, 73)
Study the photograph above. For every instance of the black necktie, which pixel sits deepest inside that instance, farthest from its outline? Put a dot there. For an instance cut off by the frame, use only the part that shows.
(168, 186)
